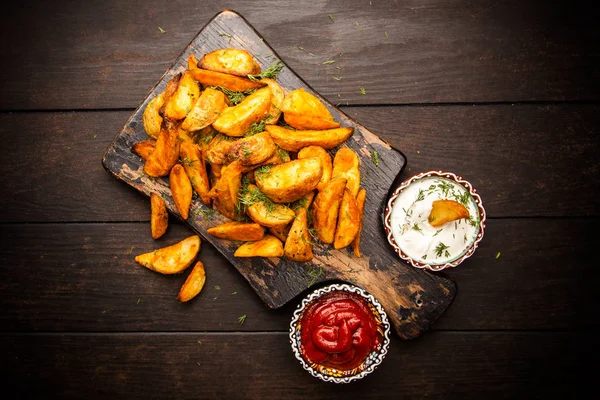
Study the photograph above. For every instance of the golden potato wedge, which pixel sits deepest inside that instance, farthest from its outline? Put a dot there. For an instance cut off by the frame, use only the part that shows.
(347, 164)
(252, 150)
(243, 231)
(192, 61)
(195, 169)
(151, 117)
(348, 221)
(445, 210)
(277, 97)
(326, 207)
(159, 218)
(181, 190)
(172, 259)
(323, 155)
(291, 140)
(236, 120)
(361, 198)
(229, 82)
(215, 174)
(184, 98)
(230, 61)
(303, 110)
(304, 201)
(144, 148)
(298, 246)
(225, 192)
(289, 181)
(263, 211)
(193, 284)
(205, 111)
(268, 246)
(166, 151)
(280, 232)
(280, 156)
(218, 149)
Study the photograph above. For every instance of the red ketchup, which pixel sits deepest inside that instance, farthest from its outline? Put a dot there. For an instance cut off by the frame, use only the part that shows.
(338, 331)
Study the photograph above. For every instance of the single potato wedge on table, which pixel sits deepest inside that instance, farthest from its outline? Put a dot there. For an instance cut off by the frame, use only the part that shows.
(193, 284)
(268, 246)
(294, 140)
(172, 259)
(243, 231)
(159, 218)
(445, 210)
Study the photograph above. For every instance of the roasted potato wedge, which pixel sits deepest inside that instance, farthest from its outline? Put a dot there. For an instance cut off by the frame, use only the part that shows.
(192, 61)
(277, 97)
(290, 181)
(280, 232)
(166, 151)
(194, 167)
(184, 98)
(218, 149)
(236, 120)
(298, 246)
(280, 156)
(303, 110)
(229, 82)
(348, 221)
(238, 231)
(326, 207)
(268, 246)
(205, 111)
(225, 192)
(263, 211)
(193, 284)
(291, 140)
(252, 150)
(172, 259)
(361, 198)
(445, 210)
(323, 155)
(144, 148)
(347, 164)
(230, 61)
(181, 190)
(151, 117)
(159, 218)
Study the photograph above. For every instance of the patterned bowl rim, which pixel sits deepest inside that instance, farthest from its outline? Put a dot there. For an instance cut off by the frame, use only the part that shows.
(388, 213)
(317, 294)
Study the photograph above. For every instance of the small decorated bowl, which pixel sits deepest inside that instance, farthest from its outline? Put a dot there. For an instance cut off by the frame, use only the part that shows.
(434, 220)
(340, 333)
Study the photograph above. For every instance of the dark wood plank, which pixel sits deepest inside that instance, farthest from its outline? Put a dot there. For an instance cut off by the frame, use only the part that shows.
(61, 184)
(421, 52)
(258, 366)
(82, 277)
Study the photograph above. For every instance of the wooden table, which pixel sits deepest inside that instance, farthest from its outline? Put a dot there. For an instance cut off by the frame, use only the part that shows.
(503, 93)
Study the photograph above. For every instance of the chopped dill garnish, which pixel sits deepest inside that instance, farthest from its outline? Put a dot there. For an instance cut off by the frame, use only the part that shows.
(311, 54)
(462, 198)
(440, 249)
(416, 227)
(242, 319)
(375, 158)
(233, 293)
(386, 35)
(498, 255)
(255, 128)
(300, 47)
(161, 30)
(315, 274)
(331, 17)
(138, 302)
(328, 62)
(234, 97)
(226, 35)
(421, 195)
(270, 72)
(437, 232)
(473, 222)
(283, 155)
(189, 163)
(207, 213)
(217, 287)
(465, 238)
(164, 195)
(95, 135)
(424, 256)
(250, 196)
(337, 78)
(199, 342)
(362, 90)
(259, 172)
(445, 187)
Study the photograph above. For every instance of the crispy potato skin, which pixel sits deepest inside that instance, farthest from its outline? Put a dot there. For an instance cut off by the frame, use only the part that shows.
(444, 211)
(323, 155)
(218, 149)
(236, 120)
(290, 181)
(193, 284)
(297, 245)
(225, 192)
(230, 61)
(277, 97)
(325, 209)
(192, 61)
(166, 151)
(231, 82)
(195, 169)
(238, 231)
(172, 259)
(151, 117)
(346, 164)
(348, 221)
(205, 111)
(303, 110)
(291, 140)
(252, 150)
(144, 148)
(361, 198)
(159, 218)
(184, 98)
(181, 190)
(268, 246)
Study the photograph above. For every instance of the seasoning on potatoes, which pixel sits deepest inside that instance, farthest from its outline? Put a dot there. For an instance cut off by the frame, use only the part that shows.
(268, 246)
(277, 97)
(193, 284)
(218, 149)
(151, 117)
(236, 120)
(348, 221)
(346, 164)
(181, 190)
(280, 232)
(294, 140)
(445, 210)
(172, 259)
(252, 150)
(166, 151)
(184, 98)
(361, 198)
(225, 192)
(229, 82)
(144, 148)
(303, 110)
(230, 61)
(289, 181)
(159, 218)
(326, 207)
(194, 167)
(298, 246)
(206, 110)
(243, 231)
(323, 155)
(263, 211)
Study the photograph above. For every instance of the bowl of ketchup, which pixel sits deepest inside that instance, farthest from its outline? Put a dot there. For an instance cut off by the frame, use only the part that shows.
(340, 333)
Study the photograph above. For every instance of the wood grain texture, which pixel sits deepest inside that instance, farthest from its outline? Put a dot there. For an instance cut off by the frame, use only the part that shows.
(82, 277)
(108, 54)
(259, 366)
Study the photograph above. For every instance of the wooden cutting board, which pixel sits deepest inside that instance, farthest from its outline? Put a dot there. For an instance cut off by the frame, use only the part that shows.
(413, 298)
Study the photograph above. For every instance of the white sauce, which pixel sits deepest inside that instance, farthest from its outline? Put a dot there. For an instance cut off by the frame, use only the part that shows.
(423, 242)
